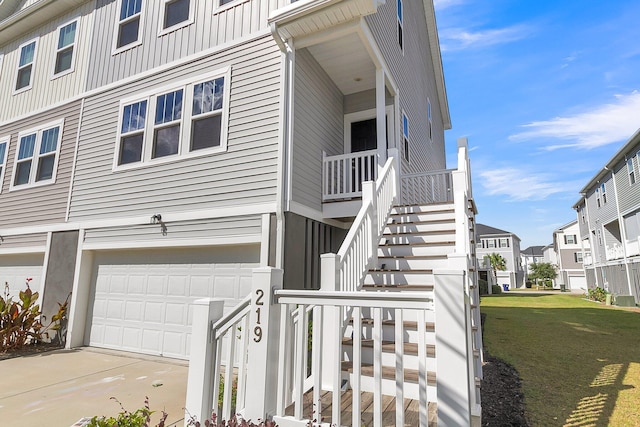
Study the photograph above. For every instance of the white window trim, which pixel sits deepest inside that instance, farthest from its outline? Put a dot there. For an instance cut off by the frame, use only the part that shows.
(223, 7)
(185, 131)
(73, 56)
(405, 146)
(366, 115)
(400, 25)
(116, 50)
(1, 60)
(3, 162)
(632, 172)
(33, 68)
(34, 165)
(163, 31)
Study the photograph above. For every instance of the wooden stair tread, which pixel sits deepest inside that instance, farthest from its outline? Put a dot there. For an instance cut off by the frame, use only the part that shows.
(389, 373)
(404, 287)
(390, 346)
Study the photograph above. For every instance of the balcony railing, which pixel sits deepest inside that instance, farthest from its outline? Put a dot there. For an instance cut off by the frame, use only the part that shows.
(343, 175)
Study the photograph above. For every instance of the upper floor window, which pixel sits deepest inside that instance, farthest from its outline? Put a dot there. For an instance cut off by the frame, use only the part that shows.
(66, 48)
(128, 31)
(176, 12)
(582, 215)
(186, 120)
(577, 256)
(4, 143)
(223, 2)
(598, 197)
(429, 119)
(570, 239)
(491, 243)
(401, 24)
(504, 243)
(631, 170)
(37, 156)
(604, 193)
(405, 135)
(25, 65)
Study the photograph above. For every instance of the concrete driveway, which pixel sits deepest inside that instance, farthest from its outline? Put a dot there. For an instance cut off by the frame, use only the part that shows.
(59, 388)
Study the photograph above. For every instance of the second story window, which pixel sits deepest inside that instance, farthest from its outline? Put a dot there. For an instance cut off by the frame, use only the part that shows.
(185, 121)
(401, 25)
(631, 171)
(570, 239)
(598, 197)
(37, 156)
(405, 136)
(66, 48)
(25, 65)
(429, 119)
(128, 31)
(604, 193)
(175, 13)
(577, 256)
(504, 243)
(3, 158)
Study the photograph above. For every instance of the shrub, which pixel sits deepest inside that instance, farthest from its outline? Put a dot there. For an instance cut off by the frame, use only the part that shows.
(597, 294)
(20, 321)
(139, 418)
(496, 289)
(483, 287)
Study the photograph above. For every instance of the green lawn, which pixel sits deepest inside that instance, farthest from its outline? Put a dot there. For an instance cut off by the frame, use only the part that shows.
(579, 361)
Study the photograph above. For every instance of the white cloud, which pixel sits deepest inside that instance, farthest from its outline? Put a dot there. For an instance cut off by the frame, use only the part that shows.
(458, 38)
(519, 185)
(600, 126)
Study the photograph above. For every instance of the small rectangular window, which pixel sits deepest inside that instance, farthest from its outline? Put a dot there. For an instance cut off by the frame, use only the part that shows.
(401, 24)
(128, 31)
(570, 239)
(429, 119)
(604, 193)
(405, 135)
(598, 196)
(578, 257)
(504, 243)
(175, 13)
(37, 156)
(25, 65)
(4, 144)
(631, 170)
(66, 48)
(491, 243)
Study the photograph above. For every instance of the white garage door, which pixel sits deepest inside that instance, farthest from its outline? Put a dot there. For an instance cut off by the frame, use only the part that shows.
(142, 299)
(577, 282)
(15, 269)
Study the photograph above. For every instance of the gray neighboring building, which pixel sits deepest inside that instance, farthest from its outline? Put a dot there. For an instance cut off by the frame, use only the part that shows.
(493, 240)
(608, 215)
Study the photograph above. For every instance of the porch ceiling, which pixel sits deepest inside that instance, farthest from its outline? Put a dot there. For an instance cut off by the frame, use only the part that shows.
(347, 62)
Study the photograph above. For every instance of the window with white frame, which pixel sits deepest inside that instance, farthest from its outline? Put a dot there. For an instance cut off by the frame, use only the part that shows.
(25, 65)
(401, 24)
(598, 197)
(405, 135)
(570, 239)
(604, 193)
(577, 256)
(128, 31)
(4, 145)
(223, 2)
(176, 13)
(490, 243)
(504, 243)
(631, 170)
(429, 119)
(187, 120)
(65, 51)
(37, 156)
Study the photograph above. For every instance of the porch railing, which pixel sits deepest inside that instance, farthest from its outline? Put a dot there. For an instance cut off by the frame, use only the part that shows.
(354, 306)
(344, 174)
(427, 188)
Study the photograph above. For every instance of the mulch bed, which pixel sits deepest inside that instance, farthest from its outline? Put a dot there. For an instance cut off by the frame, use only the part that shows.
(29, 350)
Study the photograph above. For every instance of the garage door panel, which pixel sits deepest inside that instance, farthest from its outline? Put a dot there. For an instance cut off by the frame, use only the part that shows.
(148, 307)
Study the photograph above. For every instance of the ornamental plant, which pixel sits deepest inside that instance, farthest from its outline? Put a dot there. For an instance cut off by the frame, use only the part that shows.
(139, 418)
(21, 320)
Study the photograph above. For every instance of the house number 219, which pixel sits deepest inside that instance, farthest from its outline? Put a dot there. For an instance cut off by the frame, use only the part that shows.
(257, 331)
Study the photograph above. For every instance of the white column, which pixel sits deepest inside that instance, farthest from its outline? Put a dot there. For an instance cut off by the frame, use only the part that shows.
(262, 364)
(330, 282)
(79, 304)
(200, 380)
(381, 120)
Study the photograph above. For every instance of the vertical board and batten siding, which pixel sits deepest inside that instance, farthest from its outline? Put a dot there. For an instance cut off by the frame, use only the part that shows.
(628, 194)
(45, 91)
(245, 174)
(46, 204)
(599, 216)
(414, 74)
(188, 231)
(318, 125)
(211, 27)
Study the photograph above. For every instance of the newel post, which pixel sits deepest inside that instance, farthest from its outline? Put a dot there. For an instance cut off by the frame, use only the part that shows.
(369, 195)
(394, 153)
(262, 357)
(330, 282)
(201, 376)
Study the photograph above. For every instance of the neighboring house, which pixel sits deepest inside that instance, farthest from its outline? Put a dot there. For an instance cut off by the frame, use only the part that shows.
(549, 254)
(608, 215)
(493, 240)
(531, 255)
(570, 255)
(153, 153)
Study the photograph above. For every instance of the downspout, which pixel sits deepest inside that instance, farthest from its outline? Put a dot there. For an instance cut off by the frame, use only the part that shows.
(284, 146)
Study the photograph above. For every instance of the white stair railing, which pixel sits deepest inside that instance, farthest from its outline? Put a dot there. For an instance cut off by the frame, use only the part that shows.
(328, 305)
(427, 188)
(343, 175)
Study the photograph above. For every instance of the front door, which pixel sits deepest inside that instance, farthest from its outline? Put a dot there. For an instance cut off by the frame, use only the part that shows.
(364, 135)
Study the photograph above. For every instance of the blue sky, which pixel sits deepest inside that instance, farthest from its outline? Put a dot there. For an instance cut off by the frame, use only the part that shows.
(546, 91)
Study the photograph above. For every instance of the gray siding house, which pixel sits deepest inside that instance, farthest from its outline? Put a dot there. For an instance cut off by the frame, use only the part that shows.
(607, 215)
(493, 240)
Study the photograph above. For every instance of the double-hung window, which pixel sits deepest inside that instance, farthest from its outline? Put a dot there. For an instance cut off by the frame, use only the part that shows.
(25, 65)
(37, 156)
(604, 193)
(570, 239)
(4, 147)
(177, 13)
(128, 32)
(577, 257)
(631, 170)
(187, 120)
(429, 120)
(65, 50)
(405, 135)
(401, 25)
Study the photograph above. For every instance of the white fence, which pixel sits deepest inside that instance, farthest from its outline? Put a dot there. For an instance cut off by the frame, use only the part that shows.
(427, 188)
(343, 175)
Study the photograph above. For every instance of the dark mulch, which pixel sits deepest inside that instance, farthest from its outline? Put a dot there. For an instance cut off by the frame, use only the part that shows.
(29, 350)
